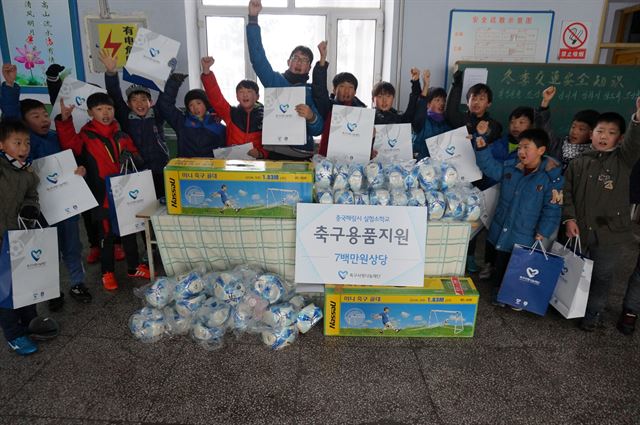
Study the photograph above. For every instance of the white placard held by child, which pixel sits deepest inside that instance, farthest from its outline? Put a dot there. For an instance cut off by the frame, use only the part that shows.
(350, 133)
(281, 124)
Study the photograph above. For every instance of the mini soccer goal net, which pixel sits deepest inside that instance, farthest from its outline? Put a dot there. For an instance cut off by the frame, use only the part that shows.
(446, 319)
(277, 197)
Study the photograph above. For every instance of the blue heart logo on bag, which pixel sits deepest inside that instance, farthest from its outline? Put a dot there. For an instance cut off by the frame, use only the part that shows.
(342, 274)
(352, 126)
(154, 52)
(531, 272)
(36, 254)
(80, 100)
(565, 270)
(392, 142)
(284, 108)
(52, 178)
(134, 193)
(450, 149)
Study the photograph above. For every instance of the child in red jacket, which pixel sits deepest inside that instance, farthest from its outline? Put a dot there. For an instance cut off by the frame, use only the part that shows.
(244, 122)
(104, 148)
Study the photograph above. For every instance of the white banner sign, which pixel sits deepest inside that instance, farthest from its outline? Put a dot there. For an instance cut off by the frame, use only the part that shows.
(360, 245)
(75, 93)
(62, 193)
(455, 148)
(281, 124)
(350, 133)
(393, 141)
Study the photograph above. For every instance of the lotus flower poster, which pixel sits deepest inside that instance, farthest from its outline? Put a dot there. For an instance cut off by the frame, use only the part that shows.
(36, 33)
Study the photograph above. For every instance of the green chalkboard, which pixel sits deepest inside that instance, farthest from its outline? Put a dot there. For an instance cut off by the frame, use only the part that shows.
(600, 87)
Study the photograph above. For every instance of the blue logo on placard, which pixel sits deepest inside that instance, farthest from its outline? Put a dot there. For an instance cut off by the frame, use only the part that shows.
(352, 126)
(52, 178)
(80, 100)
(392, 142)
(154, 52)
(36, 254)
(284, 108)
(343, 274)
(531, 272)
(450, 149)
(134, 193)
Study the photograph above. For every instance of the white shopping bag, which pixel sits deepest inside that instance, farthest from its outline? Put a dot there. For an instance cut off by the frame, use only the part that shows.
(281, 124)
(350, 133)
(29, 268)
(393, 141)
(572, 291)
(455, 148)
(151, 59)
(128, 194)
(75, 93)
(61, 192)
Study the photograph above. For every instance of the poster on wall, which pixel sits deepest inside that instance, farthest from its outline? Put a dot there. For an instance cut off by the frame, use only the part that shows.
(573, 42)
(498, 36)
(115, 34)
(36, 34)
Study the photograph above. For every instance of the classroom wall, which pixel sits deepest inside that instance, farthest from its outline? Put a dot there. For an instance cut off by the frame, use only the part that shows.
(426, 30)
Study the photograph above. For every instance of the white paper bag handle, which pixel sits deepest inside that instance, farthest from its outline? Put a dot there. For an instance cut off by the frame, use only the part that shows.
(538, 242)
(576, 246)
(124, 168)
(23, 225)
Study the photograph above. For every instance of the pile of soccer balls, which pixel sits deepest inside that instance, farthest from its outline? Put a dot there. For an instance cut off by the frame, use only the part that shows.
(208, 305)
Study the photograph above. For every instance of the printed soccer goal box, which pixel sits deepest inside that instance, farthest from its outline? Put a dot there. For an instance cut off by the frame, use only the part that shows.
(237, 188)
(442, 307)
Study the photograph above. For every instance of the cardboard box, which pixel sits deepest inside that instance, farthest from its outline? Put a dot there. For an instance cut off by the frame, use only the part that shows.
(443, 307)
(235, 188)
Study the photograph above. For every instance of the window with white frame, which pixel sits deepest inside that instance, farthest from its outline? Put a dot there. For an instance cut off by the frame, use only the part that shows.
(352, 28)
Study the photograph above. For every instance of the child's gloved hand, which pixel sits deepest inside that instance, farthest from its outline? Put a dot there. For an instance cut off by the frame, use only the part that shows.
(179, 78)
(29, 212)
(53, 72)
(125, 157)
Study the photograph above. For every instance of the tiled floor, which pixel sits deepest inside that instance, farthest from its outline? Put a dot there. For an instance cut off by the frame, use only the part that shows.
(518, 369)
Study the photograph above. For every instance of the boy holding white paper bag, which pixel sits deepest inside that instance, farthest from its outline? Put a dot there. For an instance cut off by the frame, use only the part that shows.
(597, 209)
(44, 142)
(104, 147)
(530, 201)
(297, 74)
(21, 200)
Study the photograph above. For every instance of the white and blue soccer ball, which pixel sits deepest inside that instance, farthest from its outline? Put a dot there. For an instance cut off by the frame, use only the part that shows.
(436, 204)
(375, 175)
(341, 177)
(242, 316)
(270, 287)
(324, 173)
(343, 197)
(456, 208)
(160, 293)
(416, 198)
(278, 339)
(428, 175)
(280, 316)
(399, 198)
(379, 197)
(229, 288)
(361, 198)
(188, 306)
(324, 197)
(450, 177)
(189, 285)
(356, 180)
(176, 324)
(395, 178)
(147, 328)
(308, 317)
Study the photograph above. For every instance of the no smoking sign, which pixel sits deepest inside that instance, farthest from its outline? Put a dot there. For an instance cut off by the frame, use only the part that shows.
(574, 39)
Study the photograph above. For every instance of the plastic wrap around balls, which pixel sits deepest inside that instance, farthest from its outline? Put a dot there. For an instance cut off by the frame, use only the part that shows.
(189, 285)
(308, 317)
(229, 288)
(428, 175)
(278, 339)
(280, 316)
(214, 317)
(341, 177)
(210, 338)
(379, 197)
(399, 198)
(175, 323)
(356, 180)
(343, 197)
(416, 198)
(375, 175)
(188, 306)
(456, 208)
(411, 178)
(241, 317)
(147, 327)
(160, 293)
(324, 174)
(324, 197)
(361, 198)
(395, 178)
(474, 207)
(449, 177)
(436, 204)
(210, 283)
(270, 287)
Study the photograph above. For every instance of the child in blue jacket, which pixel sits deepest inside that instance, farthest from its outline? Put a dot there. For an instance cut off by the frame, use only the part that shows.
(45, 142)
(530, 203)
(429, 120)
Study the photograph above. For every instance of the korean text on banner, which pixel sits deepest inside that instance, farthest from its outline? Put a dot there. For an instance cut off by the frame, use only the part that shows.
(151, 59)
(393, 141)
(350, 133)
(75, 93)
(455, 148)
(281, 124)
(128, 194)
(29, 267)
(360, 245)
(61, 192)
